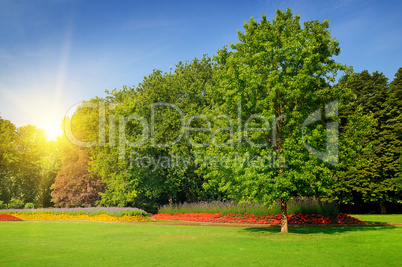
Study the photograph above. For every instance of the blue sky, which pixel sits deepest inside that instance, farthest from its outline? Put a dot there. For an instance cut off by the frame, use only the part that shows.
(56, 53)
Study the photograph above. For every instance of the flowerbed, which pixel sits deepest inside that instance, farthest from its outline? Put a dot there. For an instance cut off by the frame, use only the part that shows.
(112, 211)
(84, 217)
(103, 214)
(341, 218)
(8, 217)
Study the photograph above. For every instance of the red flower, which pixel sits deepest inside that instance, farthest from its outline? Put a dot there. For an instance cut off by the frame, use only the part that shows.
(8, 217)
(260, 219)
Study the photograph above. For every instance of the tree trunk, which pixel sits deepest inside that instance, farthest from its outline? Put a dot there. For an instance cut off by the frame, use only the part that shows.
(383, 209)
(284, 217)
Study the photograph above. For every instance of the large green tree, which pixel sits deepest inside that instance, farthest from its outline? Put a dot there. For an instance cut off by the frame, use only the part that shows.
(30, 145)
(146, 160)
(274, 78)
(28, 165)
(7, 158)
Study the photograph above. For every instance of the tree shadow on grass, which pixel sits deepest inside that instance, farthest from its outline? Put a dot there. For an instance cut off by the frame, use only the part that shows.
(318, 229)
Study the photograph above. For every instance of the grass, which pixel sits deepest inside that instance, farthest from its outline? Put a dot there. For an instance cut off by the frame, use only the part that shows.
(379, 218)
(65, 243)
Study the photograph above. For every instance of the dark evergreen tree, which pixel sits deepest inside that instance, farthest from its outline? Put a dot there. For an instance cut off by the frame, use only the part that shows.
(391, 136)
(372, 175)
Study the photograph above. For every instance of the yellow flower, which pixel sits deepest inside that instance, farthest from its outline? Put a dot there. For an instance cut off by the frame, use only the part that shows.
(100, 218)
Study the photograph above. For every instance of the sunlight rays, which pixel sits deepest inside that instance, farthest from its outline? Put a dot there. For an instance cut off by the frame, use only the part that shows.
(42, 99)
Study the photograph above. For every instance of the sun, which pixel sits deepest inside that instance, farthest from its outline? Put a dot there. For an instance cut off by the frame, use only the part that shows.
(49, 118)
(52, 132)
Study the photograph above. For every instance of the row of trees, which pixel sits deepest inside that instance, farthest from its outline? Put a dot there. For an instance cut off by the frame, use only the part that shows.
(374, 174)
(265, 119)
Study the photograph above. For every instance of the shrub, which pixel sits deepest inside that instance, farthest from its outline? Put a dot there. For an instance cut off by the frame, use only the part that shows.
(2, 205)
(313, 206)
(16, 203)
(29, 206)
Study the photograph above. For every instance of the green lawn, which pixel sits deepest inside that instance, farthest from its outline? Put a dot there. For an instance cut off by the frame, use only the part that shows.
(379, 218)
(72, 243)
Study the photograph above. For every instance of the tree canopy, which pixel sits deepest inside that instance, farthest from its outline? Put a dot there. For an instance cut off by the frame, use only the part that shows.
(277, 75)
